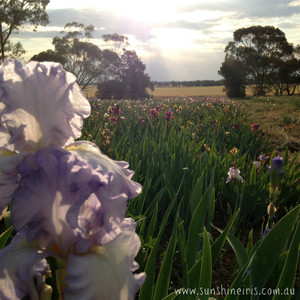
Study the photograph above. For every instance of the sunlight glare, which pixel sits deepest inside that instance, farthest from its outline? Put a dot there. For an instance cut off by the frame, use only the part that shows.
(145, 10)
(137, 10)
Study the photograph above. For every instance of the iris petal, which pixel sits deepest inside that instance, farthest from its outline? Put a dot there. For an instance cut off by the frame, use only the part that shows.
(106, 272)
(42, 105)
(9, 179)
(114, 195)
(17, 262)
(92, 227)
(52, 181)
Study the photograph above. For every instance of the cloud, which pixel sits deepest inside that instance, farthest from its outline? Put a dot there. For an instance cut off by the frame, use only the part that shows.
(184, 41)
(190, 25)
(247, 8)
(267, 8)
(87, 16)
(104, 21)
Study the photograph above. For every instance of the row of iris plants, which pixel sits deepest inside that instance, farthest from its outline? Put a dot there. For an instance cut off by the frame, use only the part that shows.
(211, 183)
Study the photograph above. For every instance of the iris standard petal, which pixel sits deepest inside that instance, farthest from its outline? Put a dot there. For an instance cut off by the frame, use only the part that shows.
(42, 105)
(52, 181)
(113, 196)
(105, 273)
(17, 272)
(9, 177)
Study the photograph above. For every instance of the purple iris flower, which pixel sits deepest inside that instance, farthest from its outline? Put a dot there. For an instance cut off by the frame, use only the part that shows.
(168, 115)
(116, 109)
(276, 171)
(68, 200)
(263, 158)
(267, 230)
(254, 126)
(154, 113)
(235, 126)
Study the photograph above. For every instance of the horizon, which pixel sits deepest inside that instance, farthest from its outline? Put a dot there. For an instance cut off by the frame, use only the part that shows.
(176, 41)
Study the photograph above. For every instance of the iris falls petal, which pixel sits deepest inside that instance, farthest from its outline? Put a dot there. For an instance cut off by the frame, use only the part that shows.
(52, 181)
(17, 271)
(9, 178)
(105, 273)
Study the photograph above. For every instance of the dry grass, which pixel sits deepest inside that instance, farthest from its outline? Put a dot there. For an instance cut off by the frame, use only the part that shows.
(279, 117)
(90, 91)
(166, 92)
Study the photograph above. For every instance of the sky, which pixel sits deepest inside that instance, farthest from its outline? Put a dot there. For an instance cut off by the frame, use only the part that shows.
(176, 40)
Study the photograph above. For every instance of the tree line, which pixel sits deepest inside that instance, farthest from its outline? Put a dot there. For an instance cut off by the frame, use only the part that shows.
(258, 55)
(188, 83)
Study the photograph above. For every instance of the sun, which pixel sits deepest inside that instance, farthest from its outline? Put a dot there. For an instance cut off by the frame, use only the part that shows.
(139, 10)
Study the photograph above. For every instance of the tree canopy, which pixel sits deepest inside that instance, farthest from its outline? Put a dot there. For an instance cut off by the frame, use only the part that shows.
(119, 72)
(13, 15)
(116, 41)
(258, 49)
(78, 55)
(49, 55)
(235, 74)
(131, 81)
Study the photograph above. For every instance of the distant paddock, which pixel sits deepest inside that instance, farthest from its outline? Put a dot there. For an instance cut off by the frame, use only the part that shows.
(165, 92)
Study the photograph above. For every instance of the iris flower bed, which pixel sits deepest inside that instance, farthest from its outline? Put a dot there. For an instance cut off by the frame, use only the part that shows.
(78, 224)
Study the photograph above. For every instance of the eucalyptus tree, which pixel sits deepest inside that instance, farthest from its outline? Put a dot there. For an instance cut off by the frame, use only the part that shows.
(117, 71)
(117, 42)
(285, 75)
(234, 74)
(15, 14)
(257, 48)
(130, 82)
(48, 55)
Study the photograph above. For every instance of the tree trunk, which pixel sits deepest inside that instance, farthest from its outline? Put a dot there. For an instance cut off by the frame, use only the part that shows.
(1, 43)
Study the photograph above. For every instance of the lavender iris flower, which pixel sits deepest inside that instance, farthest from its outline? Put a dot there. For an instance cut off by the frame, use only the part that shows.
(276, 171)
(234, 173)
(68, 200)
